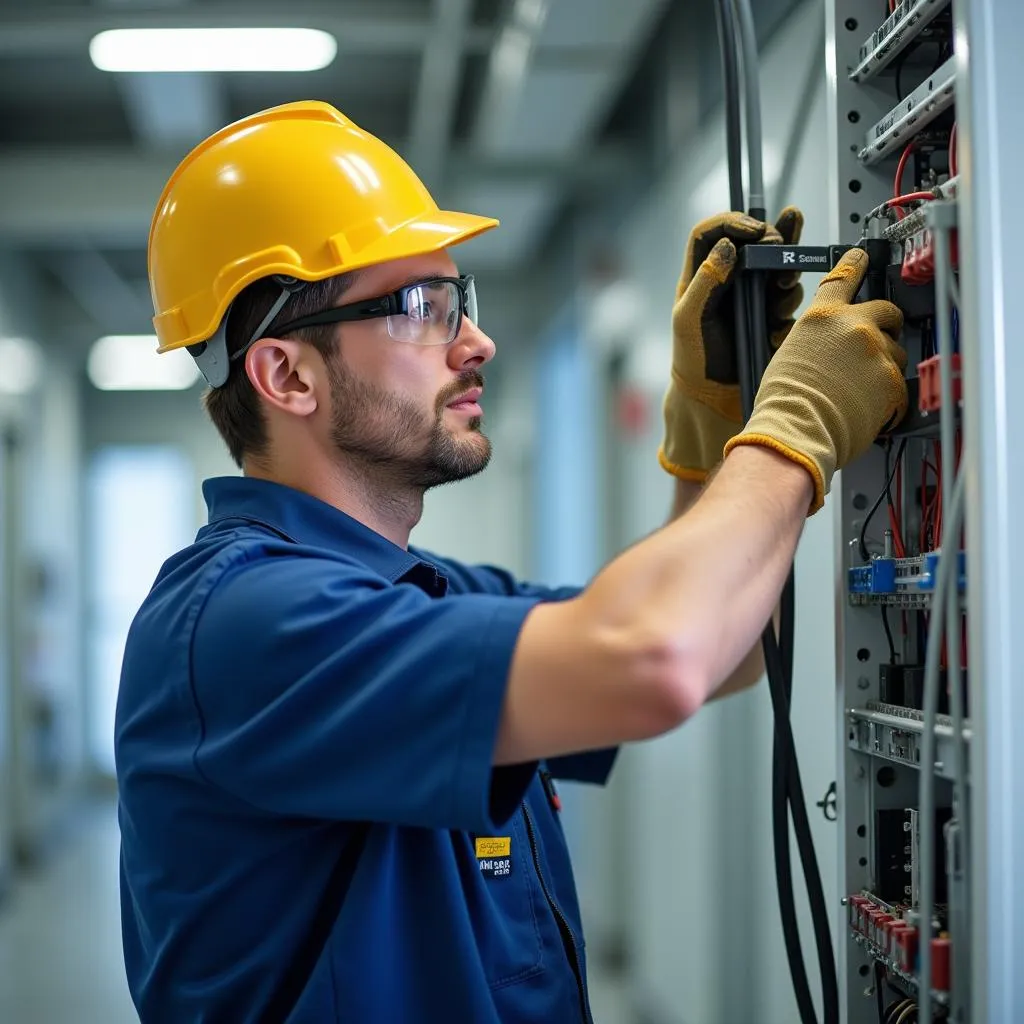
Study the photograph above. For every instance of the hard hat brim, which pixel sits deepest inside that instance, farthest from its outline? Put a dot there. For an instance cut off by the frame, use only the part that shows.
(420, 236)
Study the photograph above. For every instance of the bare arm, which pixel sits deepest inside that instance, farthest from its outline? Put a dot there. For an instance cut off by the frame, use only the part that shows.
(751, 668)
(663, 627)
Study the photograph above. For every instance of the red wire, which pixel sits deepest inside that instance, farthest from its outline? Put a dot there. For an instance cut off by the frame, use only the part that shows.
(931, 508)
(910, 197)
(952, 150)
(897, 540)
(897, 185)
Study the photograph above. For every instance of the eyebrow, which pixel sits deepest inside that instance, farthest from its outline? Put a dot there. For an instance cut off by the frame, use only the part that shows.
(419, 278)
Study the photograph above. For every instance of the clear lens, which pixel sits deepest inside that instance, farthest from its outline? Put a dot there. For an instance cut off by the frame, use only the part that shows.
(431, 317)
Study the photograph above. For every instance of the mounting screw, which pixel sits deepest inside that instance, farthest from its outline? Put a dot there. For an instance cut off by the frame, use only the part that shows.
(863, 683)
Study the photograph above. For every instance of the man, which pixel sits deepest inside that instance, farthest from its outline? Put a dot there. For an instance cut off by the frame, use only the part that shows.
(335, 752)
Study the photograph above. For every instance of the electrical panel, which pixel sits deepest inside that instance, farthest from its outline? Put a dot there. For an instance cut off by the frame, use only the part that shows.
(904, 782)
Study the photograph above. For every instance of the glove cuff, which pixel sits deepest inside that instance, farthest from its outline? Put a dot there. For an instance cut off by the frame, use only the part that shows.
(697, 476)
(752, 437)
(695, 436)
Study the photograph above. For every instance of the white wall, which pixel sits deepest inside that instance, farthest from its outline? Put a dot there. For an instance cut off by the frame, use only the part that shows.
(481, 519)
(158, 418)
(486, 519)
(45, 688)
(703, 918)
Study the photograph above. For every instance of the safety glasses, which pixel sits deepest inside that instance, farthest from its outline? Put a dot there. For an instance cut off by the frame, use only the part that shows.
(426, 312)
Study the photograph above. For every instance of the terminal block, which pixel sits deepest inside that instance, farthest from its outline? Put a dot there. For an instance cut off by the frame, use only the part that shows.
(908, 582)
(929, 395)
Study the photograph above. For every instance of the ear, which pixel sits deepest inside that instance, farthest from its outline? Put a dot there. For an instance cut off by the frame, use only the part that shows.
(285, 374)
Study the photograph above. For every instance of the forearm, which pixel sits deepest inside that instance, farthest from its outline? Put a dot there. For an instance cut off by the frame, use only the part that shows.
(711, 578)
(751, 668)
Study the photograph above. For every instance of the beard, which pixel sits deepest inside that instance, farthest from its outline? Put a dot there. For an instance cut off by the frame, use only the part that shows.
(394, 435)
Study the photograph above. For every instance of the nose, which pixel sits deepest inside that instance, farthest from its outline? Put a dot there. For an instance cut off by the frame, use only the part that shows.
(471, 348)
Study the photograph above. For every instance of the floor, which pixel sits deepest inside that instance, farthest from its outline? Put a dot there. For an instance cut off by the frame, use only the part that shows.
(60, 942)
(60, 934)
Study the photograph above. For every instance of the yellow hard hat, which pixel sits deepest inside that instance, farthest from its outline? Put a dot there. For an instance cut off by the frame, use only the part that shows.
(296, 190)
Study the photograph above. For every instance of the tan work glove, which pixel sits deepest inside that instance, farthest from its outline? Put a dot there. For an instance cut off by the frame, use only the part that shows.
(702, 406)
(836, 382)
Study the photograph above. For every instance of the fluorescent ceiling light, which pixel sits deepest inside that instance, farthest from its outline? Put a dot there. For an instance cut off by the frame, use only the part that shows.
(130, 362)
(19, 366)
(213, 49)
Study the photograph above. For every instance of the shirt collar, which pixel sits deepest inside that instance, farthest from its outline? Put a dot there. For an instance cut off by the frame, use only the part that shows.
(305, 520)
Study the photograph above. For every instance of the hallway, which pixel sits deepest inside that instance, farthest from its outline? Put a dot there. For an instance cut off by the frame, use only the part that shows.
(60, 933)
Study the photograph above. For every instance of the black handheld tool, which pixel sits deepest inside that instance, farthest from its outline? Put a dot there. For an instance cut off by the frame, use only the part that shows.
(820, 259)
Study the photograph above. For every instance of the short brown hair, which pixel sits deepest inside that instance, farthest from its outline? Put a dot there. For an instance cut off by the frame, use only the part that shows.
(235, 407)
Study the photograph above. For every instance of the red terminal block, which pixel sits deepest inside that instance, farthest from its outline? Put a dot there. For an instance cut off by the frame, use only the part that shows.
(940, 964)
(891, 927)
(863, 921)
(930, 391)
(875, 918)
(882, 931)
(918, 258)
(906, 949)
(853, 905)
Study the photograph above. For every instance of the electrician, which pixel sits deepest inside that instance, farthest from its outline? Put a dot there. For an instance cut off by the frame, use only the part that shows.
(335, 751)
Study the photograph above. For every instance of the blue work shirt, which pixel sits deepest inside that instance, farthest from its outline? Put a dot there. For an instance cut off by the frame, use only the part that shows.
(312, 828)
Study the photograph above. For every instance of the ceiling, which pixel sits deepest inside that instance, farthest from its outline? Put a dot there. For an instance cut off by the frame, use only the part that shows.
(526, 110)
(498, 104)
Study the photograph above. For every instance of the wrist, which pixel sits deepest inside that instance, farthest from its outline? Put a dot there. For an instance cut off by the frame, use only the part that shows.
(793, 465)
(790, 479)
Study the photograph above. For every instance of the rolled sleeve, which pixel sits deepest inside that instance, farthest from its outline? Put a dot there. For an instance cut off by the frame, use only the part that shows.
(593, 766)
(324, 691)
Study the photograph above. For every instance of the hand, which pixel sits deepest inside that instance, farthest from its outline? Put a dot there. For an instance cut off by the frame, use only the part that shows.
(702, 406)
(835, 383)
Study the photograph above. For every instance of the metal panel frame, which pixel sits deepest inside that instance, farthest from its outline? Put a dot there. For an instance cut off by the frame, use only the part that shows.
(858, 188)
(990, 84)
(861, 644)
(990, 79)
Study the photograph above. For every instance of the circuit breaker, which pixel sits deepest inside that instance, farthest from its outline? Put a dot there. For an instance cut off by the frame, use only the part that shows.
(905, 689)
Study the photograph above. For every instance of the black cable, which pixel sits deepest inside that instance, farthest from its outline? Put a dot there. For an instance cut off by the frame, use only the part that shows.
(886, 491)
(900, 61)
(942, 54)
(879, 990)
(888, 635)
(734, 155)
(805, 843)
(780, 820)
(733, 127)
(779, 666)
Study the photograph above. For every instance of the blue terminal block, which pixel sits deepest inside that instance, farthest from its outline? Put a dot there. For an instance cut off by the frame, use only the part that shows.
(930, 567)
(877, 577)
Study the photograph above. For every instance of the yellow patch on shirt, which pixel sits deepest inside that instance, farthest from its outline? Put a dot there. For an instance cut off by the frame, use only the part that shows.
(494, 846)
